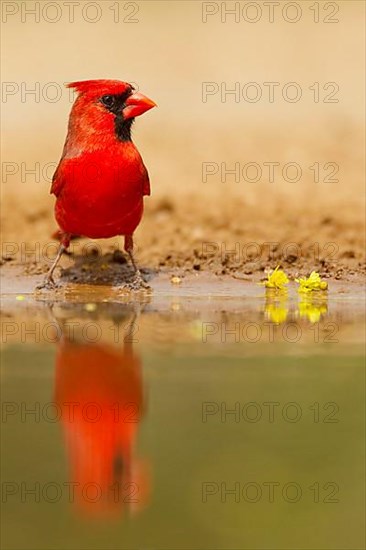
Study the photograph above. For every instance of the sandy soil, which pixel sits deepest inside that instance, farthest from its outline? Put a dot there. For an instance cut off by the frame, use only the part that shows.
(177, 236)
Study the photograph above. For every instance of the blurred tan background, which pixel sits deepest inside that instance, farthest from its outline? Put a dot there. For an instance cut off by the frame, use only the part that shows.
(170, 52)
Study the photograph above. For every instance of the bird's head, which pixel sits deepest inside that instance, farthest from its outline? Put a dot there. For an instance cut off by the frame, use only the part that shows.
(105, 110)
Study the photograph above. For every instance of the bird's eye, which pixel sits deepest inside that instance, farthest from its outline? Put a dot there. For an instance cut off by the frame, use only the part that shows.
(108, 101)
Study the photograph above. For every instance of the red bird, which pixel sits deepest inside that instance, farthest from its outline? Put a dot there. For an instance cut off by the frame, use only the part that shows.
(101, 179)
(102, 406)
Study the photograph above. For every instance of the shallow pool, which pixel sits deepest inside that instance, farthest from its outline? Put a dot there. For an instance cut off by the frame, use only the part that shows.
(183, 420)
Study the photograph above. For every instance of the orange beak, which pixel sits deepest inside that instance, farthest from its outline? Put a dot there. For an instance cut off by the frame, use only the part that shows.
(136, 105)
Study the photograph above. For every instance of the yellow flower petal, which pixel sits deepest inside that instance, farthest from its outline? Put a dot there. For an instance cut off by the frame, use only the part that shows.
(313, 282)
(276, 279)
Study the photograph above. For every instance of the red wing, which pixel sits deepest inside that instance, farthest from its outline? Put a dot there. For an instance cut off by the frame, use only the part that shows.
(146, 184)
(58, 180)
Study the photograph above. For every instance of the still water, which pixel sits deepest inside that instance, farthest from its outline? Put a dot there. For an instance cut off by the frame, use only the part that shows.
(183, 422)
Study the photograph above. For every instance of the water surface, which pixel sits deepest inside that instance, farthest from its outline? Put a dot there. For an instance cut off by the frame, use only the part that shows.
(183, 421)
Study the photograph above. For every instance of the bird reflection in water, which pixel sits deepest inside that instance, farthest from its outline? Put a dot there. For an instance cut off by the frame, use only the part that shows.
(100, 393)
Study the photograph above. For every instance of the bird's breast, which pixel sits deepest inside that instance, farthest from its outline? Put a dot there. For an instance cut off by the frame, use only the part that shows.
(102, 194)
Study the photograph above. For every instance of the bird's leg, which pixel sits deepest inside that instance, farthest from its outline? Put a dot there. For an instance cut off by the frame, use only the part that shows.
(58, 235)
(129, 250)
(48, 281)
(138, 282)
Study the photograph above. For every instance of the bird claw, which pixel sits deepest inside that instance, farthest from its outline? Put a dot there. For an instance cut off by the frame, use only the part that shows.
(137, 283)
(47, 284)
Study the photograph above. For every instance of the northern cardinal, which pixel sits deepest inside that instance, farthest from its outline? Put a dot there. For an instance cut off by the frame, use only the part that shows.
(101, 179)
(99, 392)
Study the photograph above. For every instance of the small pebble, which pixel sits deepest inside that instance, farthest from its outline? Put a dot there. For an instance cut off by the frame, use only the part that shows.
(175, 280)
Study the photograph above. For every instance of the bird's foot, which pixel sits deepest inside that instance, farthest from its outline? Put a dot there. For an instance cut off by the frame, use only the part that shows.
(137, 283)
(47, 284)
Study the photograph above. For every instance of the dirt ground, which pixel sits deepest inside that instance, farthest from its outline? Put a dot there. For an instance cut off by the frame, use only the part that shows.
(178, 237)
